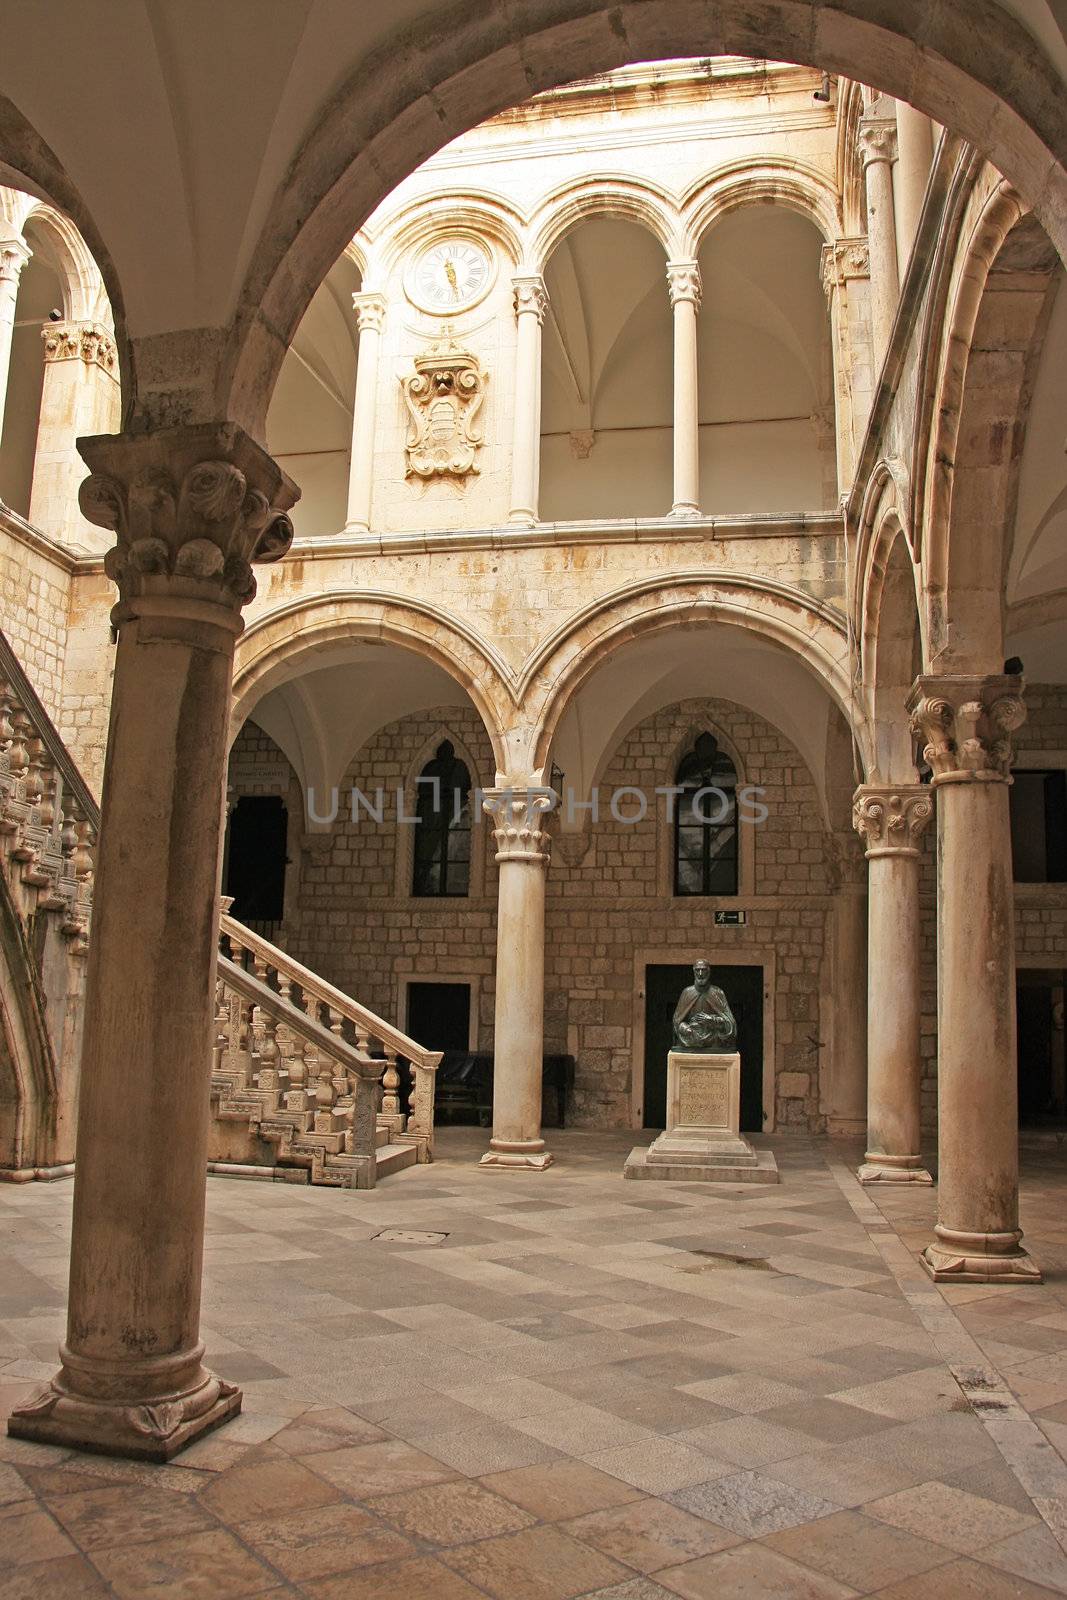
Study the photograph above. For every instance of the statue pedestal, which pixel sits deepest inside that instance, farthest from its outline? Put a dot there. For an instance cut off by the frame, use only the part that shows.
(703, 1141)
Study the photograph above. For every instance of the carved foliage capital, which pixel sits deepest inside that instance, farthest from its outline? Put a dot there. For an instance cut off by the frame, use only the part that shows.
(877, 140)
(966, 724)
(683, 282)
(844, 259)
(370, 310)
(890, 820)
(191, 509)
(518, 814)
(14, 254)
(531, 296)
(80, 341)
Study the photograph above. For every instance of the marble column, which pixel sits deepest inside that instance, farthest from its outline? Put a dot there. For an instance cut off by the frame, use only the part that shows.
(890, 819)
(683, 283)
(14, 254)
(522, 855)
(878, 150)
(79, 398)
(966, 723)
(191, 507)
(370, 315)
(531, 303)
(915, 157)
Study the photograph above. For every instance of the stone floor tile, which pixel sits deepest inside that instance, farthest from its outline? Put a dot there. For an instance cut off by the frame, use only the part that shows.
(746, 1392)
(323, 1541)
(259, 1488)
(13, 1486)
(750, 1572)
(634, 1589)
(68, 1578)
(303, 1437)
(563, 1489)
(540, 1563)
(579, 1430)
(649, 1534)
(508, 1397)
(200, 1566)
(844, 1475)
(661, 1466)
(122, 1514)
(420, 1579)
(830, 1418)
(970, 1579)
(451, 1513)
(1033, 1554)
(858, 1550)
(487, 1448)
(752, 1504)
(29, 1533)
(949, 1516)
(748, 1441)
(378, 1468)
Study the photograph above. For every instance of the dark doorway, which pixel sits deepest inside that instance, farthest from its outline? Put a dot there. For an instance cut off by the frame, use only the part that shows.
(439, 1015)
(743, 987)
(1039, 1000)
(256, 859)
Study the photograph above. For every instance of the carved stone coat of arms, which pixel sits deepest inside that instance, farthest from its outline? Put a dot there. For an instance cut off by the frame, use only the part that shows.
(444, 396)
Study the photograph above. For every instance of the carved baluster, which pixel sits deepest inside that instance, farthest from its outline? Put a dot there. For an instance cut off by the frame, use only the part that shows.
(7, 727)
(268, 1061)
(221, 1044)
(33, 784)
(50, 793)
(68, 833)
(390, 1097)
(22, 730)
(324, 1094)
(82, 860)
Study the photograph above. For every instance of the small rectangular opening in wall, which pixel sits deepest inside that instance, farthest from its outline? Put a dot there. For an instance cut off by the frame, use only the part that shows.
(256, 860)
(1038, 800)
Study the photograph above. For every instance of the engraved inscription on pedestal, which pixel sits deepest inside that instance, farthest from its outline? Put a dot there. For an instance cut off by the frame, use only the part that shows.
(703, 1099)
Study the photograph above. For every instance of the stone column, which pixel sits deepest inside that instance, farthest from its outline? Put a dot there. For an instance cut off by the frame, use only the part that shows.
(683, 283)
(191, 508)
(531, 303)
(878, 151)
(522, 855)
(14, 254)
(843, 1001)
(966, 725)
(79, 397)
(846, 281)
(915, 157)
(890, 820)
(370, 315)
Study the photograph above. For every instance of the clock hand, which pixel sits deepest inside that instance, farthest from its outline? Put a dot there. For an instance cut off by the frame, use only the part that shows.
(450, 274)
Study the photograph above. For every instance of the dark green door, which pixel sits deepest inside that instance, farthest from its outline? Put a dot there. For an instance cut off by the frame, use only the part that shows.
(743, 987)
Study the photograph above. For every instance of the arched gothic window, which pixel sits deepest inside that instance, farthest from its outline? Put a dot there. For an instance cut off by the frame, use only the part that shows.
(443, 832)
(705, 827)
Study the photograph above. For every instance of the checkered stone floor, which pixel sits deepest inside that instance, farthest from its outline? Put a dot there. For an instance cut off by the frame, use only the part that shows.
(587, 1388)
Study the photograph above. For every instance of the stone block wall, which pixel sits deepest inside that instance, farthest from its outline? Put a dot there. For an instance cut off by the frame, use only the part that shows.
(34, 591)
(350, 915)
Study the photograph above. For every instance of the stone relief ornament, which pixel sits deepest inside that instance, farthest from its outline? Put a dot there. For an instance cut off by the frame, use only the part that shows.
(444, 396)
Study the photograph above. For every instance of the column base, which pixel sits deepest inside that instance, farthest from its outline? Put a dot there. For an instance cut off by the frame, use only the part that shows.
(155, 1430)
(530, 1153)
(878, 1168)
(979, 1258)
(522, 519)
(685, 509)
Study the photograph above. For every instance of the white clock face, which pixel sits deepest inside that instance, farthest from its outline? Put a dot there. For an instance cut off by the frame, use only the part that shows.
(450, 275)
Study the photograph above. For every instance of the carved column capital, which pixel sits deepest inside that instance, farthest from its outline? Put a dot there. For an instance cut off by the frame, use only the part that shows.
(14, 254)
(517, 813)
(80, 341)
(966, 724)
(531, 296)
(877, 140)
(683, 282)
(369, 307)
(890, 819)
(192, 508)
(844, 259)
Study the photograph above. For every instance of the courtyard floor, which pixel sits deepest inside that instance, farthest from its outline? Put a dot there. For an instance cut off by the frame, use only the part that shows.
(586, 1388)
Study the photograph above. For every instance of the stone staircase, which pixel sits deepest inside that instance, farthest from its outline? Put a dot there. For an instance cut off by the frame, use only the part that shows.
(308, 1086)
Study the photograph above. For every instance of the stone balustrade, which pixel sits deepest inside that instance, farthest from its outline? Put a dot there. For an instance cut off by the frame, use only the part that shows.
(405, 1114)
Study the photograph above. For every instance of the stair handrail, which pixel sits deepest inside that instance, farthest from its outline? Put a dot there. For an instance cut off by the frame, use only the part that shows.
(365, 1021)
(45, 729)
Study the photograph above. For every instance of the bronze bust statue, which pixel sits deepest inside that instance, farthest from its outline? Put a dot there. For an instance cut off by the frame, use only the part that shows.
(703, 1021)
